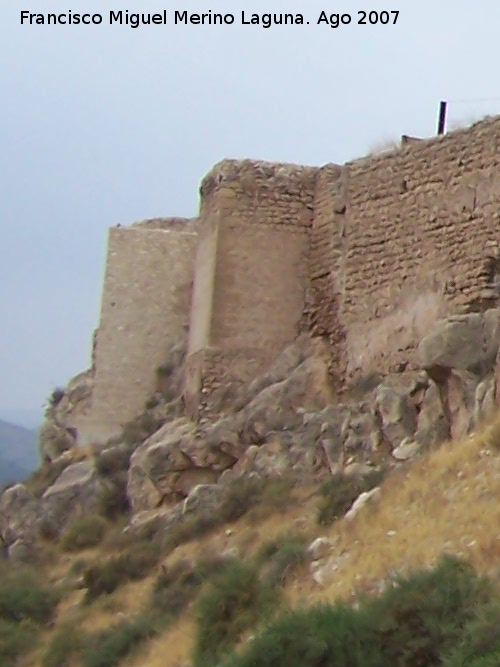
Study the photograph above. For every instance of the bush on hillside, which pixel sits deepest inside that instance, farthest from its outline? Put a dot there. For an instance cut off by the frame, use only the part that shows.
(23, 597)
(339, 493)
(175, 587)
(66, 644)
(16, 640)
(480, 641)
(235, 602)
(141, 427)
(280, 558)
(113, 499)
(110, 647)
(423, 616)
(103, 578)
(335, 635)
(84, 532)
(240, 496)
(414, 624)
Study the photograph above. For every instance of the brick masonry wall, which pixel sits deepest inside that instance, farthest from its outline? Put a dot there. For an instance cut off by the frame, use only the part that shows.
(401, 239)
(145, 310)
(366, 255)
(251, 267)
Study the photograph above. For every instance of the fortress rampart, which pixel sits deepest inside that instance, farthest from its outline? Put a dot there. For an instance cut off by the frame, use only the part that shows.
(366, 255)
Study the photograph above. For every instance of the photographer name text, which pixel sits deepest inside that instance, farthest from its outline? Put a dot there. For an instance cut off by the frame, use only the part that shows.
(182, 17)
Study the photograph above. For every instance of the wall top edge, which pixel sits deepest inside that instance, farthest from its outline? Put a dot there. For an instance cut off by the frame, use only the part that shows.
(275, 174)
(131, 229)
(422, 145)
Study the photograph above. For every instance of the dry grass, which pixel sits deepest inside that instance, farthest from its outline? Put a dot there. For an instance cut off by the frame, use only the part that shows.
(173, 648)
(446, 502)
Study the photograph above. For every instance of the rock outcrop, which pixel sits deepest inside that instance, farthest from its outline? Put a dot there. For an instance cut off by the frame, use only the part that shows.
(286, 422)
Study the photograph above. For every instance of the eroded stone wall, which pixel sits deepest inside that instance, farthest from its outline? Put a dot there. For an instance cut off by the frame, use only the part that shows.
(257, 217)
(401, 239)
(145, 310)
(366, 256)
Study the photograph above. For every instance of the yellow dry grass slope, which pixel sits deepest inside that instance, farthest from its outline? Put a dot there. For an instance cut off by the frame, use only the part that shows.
(445, 502)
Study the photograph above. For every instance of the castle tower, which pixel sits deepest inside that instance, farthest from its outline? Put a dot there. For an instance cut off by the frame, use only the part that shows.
(145, 310)
(251, 274)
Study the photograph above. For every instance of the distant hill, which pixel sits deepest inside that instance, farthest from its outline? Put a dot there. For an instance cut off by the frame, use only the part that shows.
(18, 452)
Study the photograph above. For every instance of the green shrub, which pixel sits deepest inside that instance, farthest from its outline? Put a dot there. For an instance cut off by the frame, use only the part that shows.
(235, 601)
(422, 617)
(66, 643)
(84, 532)
(103, 578)
(480, 640)
(113, 460)
(414, 624)
(240, 495)
(16, 640)
(152, 402)
(281, 558)
(56, 397)
(329, 636)
(108, 648)
(339, 493)
(22, 597)
(175, 588)
(113, 499)
(140, 428)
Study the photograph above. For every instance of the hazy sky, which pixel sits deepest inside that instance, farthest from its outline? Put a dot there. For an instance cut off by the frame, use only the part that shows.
(107, 124)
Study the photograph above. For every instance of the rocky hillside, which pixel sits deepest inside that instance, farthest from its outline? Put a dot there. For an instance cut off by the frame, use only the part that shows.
(292, 495)
(18, 452)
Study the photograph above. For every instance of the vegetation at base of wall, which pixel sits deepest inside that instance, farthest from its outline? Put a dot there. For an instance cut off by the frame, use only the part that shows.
(84, 532)
(103, 578)
(55, 397)
(111, 461)
(138, 429)
(113, 501)
(414, 623)
(235, 602)
(339, 493)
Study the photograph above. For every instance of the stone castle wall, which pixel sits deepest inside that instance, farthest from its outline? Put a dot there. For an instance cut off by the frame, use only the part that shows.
(251, 272)
(145, 310)
(401, 239)
(366, 255)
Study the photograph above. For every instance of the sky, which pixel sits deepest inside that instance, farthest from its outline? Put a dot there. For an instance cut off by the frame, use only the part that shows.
(106, 124)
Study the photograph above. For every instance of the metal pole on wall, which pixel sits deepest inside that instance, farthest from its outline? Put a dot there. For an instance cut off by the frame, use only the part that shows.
(443, 106)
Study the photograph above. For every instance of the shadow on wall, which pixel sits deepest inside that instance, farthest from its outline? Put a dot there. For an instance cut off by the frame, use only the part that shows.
(389, 341)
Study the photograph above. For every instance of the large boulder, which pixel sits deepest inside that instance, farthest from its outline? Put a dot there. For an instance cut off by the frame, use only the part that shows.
(175, 459)
(397, 413)
(433, 424)
(465, 343)
(54, 440)
(22, 516)
(76, 491)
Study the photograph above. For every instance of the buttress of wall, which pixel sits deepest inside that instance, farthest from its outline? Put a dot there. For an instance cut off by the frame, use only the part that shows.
(412, 235)
(145, 310)
(252, 270)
